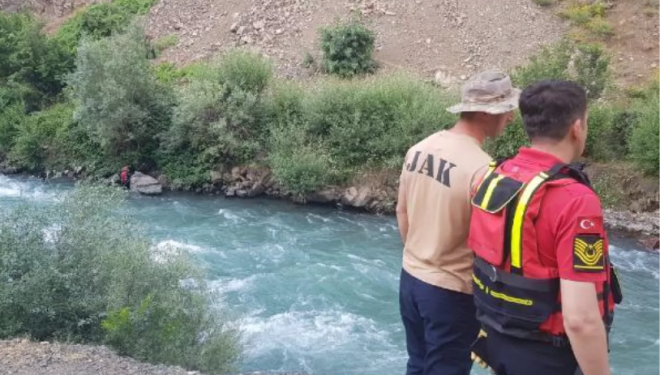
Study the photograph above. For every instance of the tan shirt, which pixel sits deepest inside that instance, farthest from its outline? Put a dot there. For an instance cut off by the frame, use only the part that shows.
(436, 180)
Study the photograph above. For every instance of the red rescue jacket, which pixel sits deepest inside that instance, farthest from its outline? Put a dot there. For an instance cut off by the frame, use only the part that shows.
(514, 292)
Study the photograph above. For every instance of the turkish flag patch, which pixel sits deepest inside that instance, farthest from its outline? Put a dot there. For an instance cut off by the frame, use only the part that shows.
(588, 253)
(589, 225)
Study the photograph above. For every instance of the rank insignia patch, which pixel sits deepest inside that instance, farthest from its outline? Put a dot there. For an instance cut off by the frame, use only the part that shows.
(588, 253)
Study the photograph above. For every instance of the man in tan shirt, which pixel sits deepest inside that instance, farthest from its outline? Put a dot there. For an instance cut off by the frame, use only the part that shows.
(433, 213)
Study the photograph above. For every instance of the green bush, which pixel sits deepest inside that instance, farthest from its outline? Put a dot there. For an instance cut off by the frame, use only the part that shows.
(10, 118)
(551, 62)
(38, 141)
(592, 69)
(586, 64)
(76, 270)
(285, 104)
(100, 20)
(297, 164)
(119, 103)
(167, 72)
(644, 141)
(581, 14)
(161, 44)
(220, 114)
(301, 166)
(347, 49)
(324, 133)
(373, 122)
(32, 67)
(609, 131)
(510, 141)
(245, 71)
(600, 27)
(138, 7)
(184, 168)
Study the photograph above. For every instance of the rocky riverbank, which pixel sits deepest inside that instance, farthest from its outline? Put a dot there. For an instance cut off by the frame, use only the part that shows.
(368, 196)
(381, 198)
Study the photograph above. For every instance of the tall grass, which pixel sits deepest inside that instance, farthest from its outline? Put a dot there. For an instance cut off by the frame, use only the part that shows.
(344, 126)
(100, 20)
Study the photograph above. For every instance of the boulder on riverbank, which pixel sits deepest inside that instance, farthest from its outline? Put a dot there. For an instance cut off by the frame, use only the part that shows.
(247, 182)
(358, 197)
(145, 184)
(641, 225)
(7, 169)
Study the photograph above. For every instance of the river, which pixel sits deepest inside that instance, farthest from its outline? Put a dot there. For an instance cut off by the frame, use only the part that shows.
(315, 289)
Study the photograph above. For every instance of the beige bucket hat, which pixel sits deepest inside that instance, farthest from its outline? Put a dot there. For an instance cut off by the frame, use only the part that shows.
(490, 92)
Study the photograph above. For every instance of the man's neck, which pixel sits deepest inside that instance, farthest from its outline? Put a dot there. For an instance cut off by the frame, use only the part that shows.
(561, 151)
(470, 129)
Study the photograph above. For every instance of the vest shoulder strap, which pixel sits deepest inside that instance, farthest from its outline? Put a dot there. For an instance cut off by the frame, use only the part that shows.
(516, 216)
(576, 172)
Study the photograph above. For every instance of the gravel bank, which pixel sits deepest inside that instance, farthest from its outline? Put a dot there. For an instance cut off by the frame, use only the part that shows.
(24, 357)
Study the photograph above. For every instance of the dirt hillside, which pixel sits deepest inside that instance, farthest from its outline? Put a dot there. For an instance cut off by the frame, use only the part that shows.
(634, 44)
(451, 36)
(48, 9)
(442, 39)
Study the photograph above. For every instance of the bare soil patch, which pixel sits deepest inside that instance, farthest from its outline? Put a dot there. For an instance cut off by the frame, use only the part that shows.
(424, 36)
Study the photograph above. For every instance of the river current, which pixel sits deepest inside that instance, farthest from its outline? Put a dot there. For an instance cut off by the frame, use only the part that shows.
(315, 289)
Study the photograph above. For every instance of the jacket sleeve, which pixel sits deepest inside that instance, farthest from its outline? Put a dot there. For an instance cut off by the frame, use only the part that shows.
(580, 240)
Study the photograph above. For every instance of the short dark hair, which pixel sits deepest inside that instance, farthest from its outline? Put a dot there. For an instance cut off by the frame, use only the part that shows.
(548, 108)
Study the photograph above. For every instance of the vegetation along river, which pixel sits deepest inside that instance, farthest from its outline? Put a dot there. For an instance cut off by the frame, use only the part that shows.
(315, 289)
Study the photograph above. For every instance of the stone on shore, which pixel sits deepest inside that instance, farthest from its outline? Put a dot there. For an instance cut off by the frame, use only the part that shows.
(145, 184)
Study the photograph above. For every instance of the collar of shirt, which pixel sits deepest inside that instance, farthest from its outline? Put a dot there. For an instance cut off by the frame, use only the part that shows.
(536, 159)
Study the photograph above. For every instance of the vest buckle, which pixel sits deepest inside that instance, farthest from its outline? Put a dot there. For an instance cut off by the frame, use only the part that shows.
(493, 278)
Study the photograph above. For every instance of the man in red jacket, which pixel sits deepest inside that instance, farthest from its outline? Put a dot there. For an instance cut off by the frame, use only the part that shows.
(124, 176)
(544, 287)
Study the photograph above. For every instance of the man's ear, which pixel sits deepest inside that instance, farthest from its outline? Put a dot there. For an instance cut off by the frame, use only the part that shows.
(576, 129)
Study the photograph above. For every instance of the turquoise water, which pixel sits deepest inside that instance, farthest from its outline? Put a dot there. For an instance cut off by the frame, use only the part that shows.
(315, 289)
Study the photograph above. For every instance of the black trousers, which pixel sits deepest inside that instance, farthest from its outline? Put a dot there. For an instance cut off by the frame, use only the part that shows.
(440, 325)
(512, 356)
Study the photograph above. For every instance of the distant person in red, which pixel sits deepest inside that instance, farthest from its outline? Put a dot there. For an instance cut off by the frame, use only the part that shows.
(125, 177)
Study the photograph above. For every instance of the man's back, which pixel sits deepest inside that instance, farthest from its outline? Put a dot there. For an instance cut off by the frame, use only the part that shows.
(545, 292)
(437, 177)
(568, 211)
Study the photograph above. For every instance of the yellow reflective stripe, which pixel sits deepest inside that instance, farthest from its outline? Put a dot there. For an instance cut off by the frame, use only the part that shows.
(489, 191)
(505, 297)
(478, 282)
(517, 226)
(491, 168)
(500, 295)
(590, 267)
